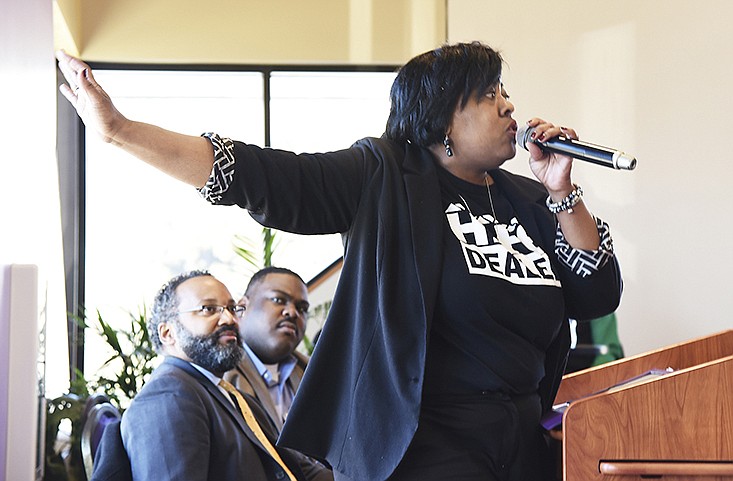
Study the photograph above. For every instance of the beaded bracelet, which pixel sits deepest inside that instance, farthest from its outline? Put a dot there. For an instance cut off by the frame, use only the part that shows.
(567, 203)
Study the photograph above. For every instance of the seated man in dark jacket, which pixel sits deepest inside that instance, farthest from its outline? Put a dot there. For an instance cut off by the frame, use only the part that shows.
(187, 423)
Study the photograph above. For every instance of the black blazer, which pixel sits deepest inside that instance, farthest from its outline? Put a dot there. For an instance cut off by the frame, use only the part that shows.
(359, 401)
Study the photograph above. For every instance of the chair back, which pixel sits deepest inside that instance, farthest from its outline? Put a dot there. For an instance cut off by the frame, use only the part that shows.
(111, 462)
(97, 418)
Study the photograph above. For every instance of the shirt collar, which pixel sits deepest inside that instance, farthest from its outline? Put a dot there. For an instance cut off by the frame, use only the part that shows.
(285, 366)
(209, 375)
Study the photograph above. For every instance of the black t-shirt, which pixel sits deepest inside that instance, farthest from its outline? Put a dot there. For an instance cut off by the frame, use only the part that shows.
(499, 304)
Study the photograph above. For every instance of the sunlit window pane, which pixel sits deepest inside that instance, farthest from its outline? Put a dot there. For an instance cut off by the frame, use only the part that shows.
(323, 111)
(144, 227)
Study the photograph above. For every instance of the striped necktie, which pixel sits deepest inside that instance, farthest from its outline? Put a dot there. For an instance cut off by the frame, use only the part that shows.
(255, 426)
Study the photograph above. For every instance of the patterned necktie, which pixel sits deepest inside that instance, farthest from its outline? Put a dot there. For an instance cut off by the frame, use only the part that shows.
(255, 427)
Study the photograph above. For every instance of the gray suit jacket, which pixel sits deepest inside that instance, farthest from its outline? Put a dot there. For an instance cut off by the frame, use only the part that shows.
(182, 427)
(247, 379)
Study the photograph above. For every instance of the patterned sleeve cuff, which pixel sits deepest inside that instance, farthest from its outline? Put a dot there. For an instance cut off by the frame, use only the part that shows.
(584, 262)
(222, 172)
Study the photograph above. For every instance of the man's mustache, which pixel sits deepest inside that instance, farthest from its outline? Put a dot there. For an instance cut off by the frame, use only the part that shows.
(227, 330)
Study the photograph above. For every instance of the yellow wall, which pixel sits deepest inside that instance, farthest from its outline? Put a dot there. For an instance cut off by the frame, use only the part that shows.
(250, 31)
(67, 25)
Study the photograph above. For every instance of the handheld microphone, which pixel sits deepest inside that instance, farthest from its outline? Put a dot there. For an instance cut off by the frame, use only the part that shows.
(579, 150)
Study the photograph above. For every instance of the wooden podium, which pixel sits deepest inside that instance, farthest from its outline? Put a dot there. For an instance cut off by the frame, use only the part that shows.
(673, 427)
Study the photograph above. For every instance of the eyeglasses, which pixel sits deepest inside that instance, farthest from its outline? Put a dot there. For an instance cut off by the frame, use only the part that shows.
(209, 311)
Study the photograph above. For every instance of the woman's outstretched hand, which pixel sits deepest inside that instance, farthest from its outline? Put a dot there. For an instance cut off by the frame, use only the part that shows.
(89, 99)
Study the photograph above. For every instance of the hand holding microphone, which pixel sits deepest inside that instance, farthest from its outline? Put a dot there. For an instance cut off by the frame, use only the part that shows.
(579, 150)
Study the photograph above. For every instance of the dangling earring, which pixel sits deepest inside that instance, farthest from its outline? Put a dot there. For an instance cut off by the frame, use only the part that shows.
(446, 143)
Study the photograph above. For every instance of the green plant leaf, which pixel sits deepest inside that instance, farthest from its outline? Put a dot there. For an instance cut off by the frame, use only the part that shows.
(247, 249)
(109, 334)
(308, 344)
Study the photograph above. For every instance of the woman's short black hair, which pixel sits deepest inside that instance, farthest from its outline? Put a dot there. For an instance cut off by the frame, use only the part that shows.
(428, 88)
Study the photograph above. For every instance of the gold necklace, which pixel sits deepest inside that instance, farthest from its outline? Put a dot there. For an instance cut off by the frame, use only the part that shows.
(491, 201)
(495, 221)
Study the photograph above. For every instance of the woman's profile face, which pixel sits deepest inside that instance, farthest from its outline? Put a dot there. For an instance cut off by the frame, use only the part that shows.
(482, 133)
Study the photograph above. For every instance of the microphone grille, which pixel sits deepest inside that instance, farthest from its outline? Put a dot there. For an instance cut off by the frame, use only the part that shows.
(523, 135)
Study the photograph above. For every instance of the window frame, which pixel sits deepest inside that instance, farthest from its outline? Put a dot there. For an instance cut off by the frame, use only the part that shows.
(72, 177)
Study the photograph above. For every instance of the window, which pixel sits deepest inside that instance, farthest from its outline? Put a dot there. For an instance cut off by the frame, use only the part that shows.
(142, 227)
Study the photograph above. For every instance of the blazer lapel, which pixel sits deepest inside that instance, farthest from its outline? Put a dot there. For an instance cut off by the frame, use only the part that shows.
(423, 194)
(247, 368)
(298, 370)
(219, 398)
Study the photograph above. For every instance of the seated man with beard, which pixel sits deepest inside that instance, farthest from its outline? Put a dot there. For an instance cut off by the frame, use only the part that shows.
(186, 423)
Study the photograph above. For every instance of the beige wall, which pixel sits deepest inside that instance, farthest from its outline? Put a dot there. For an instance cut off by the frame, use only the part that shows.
(251, 31)
(654, 78)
